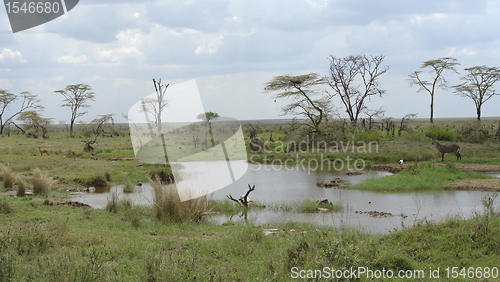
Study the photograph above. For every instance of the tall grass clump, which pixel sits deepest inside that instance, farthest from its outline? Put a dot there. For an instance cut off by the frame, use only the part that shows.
(168, 206)
(8, 177)
(441, 134)
(113, 204)
(21, 187)
(41, 182)
(128, 187)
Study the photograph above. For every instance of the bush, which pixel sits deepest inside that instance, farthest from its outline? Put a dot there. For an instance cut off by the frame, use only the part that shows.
(97, 181)
(441, 134)
(366, 136)
(473, 133)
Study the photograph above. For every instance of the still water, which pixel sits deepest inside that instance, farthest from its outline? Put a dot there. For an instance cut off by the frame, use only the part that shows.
(278, 184)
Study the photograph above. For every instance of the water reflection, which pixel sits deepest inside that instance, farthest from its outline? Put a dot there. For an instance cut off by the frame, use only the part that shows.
(294, 185)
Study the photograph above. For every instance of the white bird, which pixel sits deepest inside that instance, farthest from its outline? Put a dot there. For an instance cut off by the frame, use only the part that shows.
(401, 162)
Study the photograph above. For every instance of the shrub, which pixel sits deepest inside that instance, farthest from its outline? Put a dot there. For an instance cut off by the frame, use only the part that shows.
(473, 133)
(366, 136)
(97, 181)
(441, 134)
(8, 177)
(41, 182)
(167, 204)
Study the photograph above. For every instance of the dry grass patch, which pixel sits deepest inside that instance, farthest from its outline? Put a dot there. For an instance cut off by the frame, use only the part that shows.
(21, 186)
(8, 177)
(41, 182)
(168, 206)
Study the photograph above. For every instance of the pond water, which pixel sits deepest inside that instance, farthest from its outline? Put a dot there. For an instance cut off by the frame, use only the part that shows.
(278, 184)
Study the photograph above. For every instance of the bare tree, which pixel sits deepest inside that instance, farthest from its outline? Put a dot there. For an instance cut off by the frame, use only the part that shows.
(478, 85)
(404, 122)
(355, 79)
(373, 114)
(300, 90)
(437, 66)
(160, 101)
(75, 97)
(29, 101)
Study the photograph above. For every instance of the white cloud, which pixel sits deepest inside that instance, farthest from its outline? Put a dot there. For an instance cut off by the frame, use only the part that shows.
(5, 83)
(116, 55)
(12, 55)
(68, 59)
(464, 51)
(210, 45)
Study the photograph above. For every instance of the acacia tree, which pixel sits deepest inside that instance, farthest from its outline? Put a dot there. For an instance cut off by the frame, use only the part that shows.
(76, 97)
(301, 90)
(96, 128)
(355, 79)
(29, 101)
(437, 79)
(206, 117)
(478, 85)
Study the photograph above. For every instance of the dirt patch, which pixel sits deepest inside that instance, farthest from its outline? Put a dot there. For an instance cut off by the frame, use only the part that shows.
(119, 159)
(395, 168)
(476, 184)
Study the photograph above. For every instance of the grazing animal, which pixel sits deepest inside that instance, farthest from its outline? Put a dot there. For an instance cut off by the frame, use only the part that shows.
(76, 159)
(60, 155)
(43, 151)
(453, 148)
(401, 162)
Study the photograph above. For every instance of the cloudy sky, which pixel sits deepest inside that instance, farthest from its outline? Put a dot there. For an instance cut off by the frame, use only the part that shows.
(231, 48)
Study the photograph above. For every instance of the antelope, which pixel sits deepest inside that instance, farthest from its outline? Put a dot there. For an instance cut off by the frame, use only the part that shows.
(43, 151)
(447, 149)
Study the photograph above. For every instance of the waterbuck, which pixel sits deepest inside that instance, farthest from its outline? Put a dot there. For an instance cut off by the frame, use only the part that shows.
(447, 149)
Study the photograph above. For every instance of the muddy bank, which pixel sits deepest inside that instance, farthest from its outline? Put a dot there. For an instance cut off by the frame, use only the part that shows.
(476, 184)
(395, 168)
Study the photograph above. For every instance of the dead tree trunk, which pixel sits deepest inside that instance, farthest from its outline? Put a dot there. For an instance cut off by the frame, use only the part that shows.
(244, 198)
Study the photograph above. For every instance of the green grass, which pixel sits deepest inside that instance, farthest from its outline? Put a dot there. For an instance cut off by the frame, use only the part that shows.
(54, 243)
(419, 177)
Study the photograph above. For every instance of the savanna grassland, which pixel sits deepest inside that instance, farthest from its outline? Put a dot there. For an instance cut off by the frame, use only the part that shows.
(174, 241)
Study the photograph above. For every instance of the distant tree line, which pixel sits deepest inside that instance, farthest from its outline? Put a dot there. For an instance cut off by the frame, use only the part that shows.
(354, 79)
